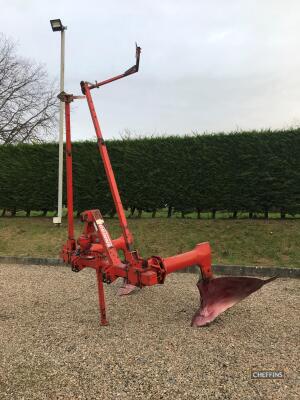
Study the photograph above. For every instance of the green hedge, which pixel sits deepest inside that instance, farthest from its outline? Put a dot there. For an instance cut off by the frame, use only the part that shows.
(245, 171)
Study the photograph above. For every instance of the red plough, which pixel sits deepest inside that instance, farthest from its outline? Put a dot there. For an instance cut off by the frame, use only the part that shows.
(96, 249)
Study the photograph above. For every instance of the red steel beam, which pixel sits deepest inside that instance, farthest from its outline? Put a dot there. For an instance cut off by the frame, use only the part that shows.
(108, 169)
(201, 256)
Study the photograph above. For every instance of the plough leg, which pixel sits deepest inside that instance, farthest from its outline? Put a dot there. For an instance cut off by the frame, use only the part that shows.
(103, 320)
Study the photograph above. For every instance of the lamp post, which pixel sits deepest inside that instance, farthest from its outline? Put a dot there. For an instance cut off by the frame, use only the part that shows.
(57, 26)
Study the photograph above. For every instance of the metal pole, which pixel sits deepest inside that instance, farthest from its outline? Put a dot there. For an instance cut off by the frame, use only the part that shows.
(71, 241)
(109, 171)
(57, 220)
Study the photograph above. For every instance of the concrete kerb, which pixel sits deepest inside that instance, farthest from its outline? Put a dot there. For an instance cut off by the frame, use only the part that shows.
(233, 270)
(31, 261)
(246, 270)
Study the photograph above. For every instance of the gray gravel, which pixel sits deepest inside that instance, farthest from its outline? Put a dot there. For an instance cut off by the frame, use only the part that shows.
(52, 347)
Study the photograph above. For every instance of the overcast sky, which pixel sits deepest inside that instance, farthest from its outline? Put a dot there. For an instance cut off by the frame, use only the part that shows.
(205, 66)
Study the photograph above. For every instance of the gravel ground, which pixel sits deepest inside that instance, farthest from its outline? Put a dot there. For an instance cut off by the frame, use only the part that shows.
(52, 347)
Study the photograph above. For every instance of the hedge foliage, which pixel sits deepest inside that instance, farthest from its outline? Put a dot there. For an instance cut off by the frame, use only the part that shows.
(245, 171)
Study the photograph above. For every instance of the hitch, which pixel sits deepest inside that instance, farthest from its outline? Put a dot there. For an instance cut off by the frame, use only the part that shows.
(96, 249)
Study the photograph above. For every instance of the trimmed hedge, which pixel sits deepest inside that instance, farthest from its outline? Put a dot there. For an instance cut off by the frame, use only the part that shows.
(245, 171)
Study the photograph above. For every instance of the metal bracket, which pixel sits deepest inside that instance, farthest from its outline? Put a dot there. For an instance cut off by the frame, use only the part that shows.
(135, 67)
(68, 98)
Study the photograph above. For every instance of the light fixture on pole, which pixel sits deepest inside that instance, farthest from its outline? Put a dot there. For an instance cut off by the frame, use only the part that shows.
(57, 26)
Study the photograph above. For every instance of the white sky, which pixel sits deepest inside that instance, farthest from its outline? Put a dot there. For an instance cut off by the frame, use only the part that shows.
(205, 66)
